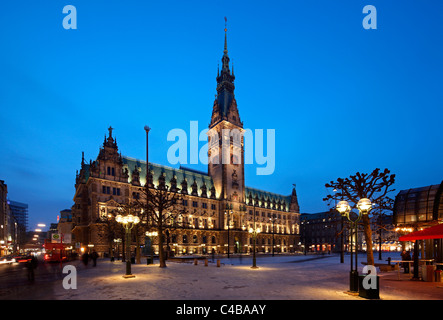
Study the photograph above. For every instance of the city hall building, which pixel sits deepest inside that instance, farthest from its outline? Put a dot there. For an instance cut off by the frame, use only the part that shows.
(217, 206)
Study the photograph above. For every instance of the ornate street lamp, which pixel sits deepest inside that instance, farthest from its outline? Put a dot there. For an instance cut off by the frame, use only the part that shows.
(364, 205)
(128, 222)
(254, 231)
(242, 209)
(274, 217)
(228, 213)
(151, 235)
(117, 243)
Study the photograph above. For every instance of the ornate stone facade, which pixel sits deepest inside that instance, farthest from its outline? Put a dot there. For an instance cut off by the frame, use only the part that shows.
(219, 208)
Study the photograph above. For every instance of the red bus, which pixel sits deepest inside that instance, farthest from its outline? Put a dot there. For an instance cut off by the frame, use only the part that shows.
(55, 252)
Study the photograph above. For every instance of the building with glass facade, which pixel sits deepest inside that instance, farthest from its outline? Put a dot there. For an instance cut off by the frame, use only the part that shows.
(417, 209)
(19, 211)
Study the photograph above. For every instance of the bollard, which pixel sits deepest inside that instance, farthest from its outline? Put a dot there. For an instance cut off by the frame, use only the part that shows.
(195, 262)
(206, 262)
(218, 263)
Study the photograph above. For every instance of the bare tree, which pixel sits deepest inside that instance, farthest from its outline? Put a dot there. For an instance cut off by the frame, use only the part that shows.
(380, 223)
(162, 209)
(115, 230)
(375, 186)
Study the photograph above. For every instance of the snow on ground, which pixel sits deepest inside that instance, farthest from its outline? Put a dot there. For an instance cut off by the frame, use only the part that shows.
(308, 277)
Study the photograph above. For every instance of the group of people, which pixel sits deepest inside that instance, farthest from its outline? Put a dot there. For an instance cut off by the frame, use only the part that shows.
(32, 262)
(93, 256)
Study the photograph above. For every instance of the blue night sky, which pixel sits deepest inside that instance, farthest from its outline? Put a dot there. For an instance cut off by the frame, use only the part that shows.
(341, 98)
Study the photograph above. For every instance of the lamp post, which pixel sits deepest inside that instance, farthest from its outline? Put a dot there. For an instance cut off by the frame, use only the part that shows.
(364, 206)
(128, 222)
(242, 209)
(254, 231)
(151, 235)
(117, 242)
(342, 242)
(274, 217)
(380, 219)
(228, 213)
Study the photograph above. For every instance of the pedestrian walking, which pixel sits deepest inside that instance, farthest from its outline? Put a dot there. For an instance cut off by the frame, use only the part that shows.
(85, 258)
(94, 256)
(31, 265)
(405, 256)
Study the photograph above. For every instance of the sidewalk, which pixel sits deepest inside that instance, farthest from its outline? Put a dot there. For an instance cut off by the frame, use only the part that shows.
(278, 278)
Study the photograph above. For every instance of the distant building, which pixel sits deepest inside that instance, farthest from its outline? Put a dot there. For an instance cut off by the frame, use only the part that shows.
(9, 227)
(35, 240)
(53, 229)
(325, 231)
(20, 212)
(65, 225)
(65, 215)
(4, 212)
(321, 232)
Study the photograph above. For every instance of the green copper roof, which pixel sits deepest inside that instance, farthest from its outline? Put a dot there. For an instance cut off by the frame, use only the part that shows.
(267, 196)
(201, 179)
(169, 173)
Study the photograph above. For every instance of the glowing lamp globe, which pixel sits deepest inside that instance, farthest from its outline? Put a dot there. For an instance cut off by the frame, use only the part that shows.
(364, 205)
(343, 207)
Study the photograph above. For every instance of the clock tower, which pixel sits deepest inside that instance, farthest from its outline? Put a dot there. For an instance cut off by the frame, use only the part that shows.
(225, 138)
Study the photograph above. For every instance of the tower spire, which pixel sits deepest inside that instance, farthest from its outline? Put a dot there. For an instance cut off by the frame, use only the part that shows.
(225, 59)
(225, 84)
(225, 51)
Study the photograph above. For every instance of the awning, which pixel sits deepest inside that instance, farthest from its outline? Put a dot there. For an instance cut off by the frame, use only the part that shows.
(435, 232)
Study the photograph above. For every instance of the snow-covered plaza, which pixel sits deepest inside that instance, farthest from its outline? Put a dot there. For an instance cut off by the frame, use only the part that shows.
(310, 277)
